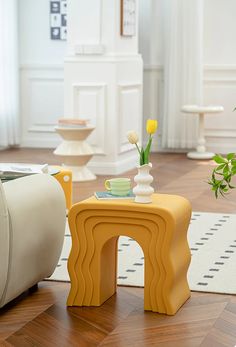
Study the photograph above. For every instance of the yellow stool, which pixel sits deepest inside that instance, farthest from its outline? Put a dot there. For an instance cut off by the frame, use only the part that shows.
(160, 228)
(64, 177)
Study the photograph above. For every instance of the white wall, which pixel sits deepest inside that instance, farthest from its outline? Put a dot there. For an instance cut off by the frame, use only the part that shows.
(219, 66)
(150, 46)
(41, 75)
(151, 31)
(220, 72)
(219, 32)
(42, 70)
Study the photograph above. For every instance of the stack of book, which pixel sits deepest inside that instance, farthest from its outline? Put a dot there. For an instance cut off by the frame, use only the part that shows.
(73, 123)
(108, 196)
(9, 171)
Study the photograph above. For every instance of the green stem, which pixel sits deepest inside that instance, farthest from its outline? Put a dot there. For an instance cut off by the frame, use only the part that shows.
(147, 150)
(138, 148)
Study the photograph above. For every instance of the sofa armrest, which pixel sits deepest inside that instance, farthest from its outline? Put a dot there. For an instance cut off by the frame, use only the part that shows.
(37, 214)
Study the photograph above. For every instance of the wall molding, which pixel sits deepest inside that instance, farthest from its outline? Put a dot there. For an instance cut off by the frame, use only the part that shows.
(41, 66)
(219, 74)
(227, 69)
(218, 133)
(127, 87)
(40, 142)
(153, 67)
(222, 67)
(97, 91)
(42, 134)
(41, 105)
(106, 58)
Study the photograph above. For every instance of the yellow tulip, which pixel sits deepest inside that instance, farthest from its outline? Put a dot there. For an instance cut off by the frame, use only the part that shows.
(151, 126)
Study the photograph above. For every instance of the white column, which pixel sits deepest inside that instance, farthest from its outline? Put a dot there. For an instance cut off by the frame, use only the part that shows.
(103, 81)
(201, 147)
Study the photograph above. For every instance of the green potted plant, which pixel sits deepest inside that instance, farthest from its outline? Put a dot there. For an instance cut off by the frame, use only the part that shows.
(221, 176)
(223, 173)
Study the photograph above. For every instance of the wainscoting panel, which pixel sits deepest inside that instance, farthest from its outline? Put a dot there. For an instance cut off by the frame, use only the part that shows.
(45, 102)
(90, 102)
(129, 109)
(220, 89)
(41, 104)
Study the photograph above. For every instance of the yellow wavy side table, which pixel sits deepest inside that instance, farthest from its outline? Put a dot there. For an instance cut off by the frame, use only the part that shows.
(160, 228)
(64, 177)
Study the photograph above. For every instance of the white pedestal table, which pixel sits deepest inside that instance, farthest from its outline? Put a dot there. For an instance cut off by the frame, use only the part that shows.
(75, 152)
(201, 152)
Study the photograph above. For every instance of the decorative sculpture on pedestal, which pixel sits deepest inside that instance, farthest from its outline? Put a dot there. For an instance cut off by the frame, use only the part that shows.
(75, 152)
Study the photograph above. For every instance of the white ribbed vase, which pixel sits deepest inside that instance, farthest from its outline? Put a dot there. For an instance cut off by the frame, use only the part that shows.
(143, 190)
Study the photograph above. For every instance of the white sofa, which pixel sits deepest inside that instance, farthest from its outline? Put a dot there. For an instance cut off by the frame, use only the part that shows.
(32, 225)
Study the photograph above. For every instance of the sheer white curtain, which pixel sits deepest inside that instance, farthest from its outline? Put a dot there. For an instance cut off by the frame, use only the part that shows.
(9, 83)
(183, 24)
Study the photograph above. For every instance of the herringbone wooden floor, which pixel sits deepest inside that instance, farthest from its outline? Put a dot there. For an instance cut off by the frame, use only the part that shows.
(40, 317)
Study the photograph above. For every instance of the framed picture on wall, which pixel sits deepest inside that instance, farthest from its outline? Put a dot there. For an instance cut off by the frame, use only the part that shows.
(128, 17)
(58, 19)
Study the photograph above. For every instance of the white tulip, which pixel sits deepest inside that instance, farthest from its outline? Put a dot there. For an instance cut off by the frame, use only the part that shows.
(132, 136)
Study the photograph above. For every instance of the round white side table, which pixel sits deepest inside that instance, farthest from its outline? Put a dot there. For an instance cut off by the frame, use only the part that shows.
(201, 152)
(75, 152)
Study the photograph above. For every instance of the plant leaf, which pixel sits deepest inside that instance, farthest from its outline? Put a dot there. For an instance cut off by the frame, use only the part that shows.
(141, 161)
(220, 167)
(230, 156)
(147, 151)
(226, 169)
(219, 159)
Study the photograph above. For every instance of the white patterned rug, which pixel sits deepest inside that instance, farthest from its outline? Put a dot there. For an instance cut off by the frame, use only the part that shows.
(212, 240)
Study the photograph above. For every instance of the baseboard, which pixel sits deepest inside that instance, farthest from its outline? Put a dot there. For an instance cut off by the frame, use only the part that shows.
(40, 143)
